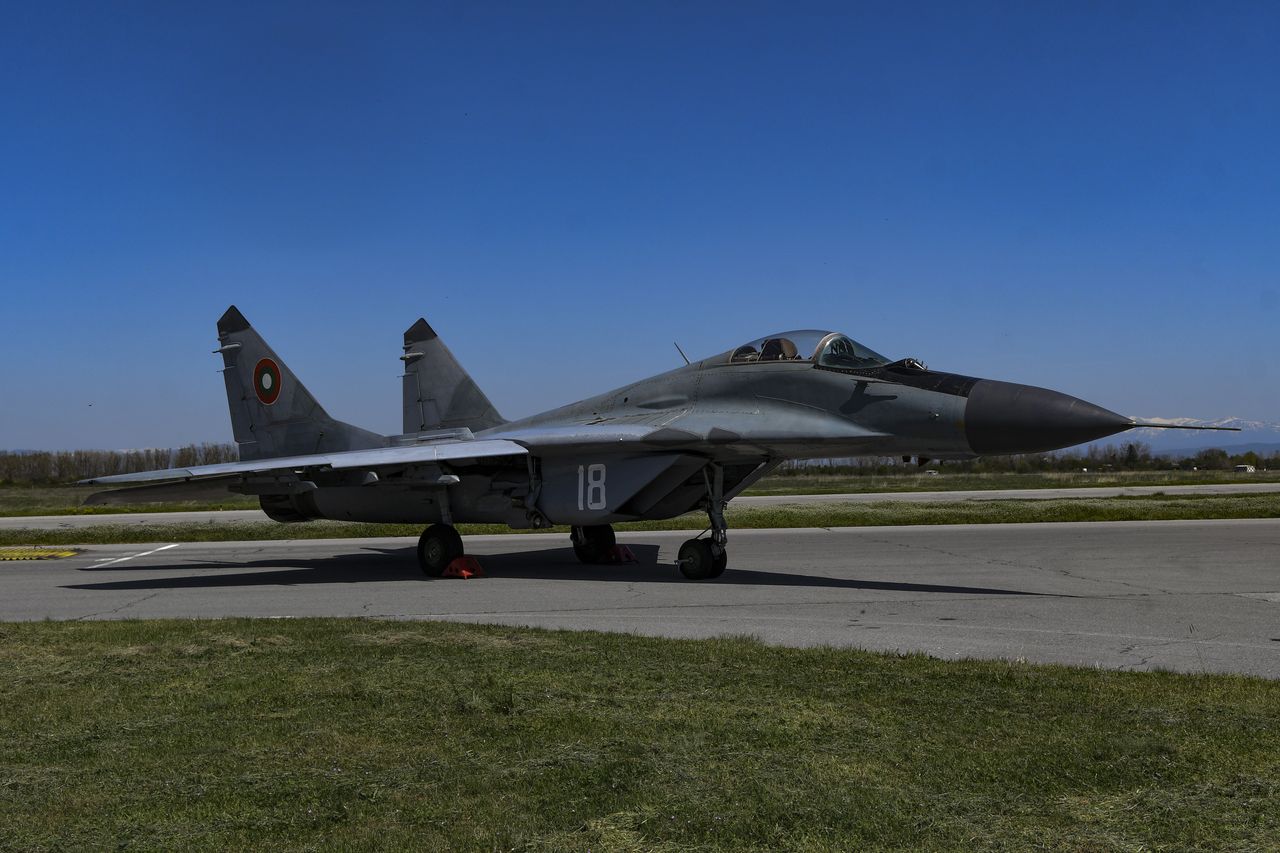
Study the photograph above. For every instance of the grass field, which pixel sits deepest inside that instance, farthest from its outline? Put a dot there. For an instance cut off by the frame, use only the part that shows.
(1147, 508)
(825, 484)
(69, 500)
(351, 734)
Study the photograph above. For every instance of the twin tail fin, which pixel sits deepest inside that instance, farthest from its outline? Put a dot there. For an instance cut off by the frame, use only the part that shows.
(438, 393)
(273, 414)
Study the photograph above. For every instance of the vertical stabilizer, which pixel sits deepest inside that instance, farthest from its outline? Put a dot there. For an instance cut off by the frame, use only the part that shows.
(438, 393)
(272, 413)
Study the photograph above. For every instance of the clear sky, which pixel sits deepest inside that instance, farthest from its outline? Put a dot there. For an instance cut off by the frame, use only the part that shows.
(1084, 196)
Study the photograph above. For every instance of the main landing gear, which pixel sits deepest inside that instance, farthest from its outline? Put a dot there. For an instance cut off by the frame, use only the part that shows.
(438, 546)
(699, 559)
(705, 559)
(593, 544)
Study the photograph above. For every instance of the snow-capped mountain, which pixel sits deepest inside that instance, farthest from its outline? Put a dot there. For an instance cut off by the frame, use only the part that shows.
(1259, 436)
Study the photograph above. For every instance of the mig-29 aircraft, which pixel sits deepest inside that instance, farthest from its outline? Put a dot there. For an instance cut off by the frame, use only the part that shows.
(692, 438)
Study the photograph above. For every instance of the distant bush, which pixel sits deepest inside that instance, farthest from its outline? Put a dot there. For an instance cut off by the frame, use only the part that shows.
(66, 466)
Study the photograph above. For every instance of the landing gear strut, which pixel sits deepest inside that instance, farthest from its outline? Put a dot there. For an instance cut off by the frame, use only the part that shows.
(438, 546)
(594, 543)
(704, 559)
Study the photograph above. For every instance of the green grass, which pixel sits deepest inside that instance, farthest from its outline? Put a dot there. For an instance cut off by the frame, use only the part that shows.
(1145, 508)
(351, 734)
(817, 483)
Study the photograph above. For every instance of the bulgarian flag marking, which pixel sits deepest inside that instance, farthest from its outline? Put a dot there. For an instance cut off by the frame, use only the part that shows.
(266, 381)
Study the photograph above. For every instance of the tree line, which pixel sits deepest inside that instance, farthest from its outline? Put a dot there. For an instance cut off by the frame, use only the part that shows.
(1129, 456)
(66, 466)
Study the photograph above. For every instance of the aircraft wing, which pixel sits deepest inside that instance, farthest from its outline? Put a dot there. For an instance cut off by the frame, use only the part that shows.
(365, 459)
(580, 435)
(703, 436)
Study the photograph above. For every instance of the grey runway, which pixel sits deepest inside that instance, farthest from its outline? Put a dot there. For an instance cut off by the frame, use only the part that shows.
(1190, 596)
(70, 522)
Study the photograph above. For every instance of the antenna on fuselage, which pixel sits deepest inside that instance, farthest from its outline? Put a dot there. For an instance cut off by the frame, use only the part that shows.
(682, 355)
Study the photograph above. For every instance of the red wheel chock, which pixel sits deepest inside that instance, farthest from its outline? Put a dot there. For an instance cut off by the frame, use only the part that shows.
(463, 567)
(620, 554)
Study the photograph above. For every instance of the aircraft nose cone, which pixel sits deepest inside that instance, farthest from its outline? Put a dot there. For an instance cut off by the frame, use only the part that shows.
(1005, 417)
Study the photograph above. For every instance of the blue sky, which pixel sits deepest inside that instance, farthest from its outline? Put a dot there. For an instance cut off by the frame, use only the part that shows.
(1084, 196)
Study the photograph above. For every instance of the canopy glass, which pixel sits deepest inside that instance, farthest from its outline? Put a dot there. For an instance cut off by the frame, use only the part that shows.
(828, 349)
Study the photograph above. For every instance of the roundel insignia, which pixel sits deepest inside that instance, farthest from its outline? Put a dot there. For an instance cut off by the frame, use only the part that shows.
(266, 381)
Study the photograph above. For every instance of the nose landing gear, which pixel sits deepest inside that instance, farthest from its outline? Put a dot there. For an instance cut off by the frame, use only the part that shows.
(705, 559)
(702, 559)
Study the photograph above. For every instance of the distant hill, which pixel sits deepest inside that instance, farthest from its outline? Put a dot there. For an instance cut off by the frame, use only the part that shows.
(1262, 449)
(1261, 437)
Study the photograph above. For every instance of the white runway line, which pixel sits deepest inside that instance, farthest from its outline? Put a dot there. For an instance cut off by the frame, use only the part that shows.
(143, 554)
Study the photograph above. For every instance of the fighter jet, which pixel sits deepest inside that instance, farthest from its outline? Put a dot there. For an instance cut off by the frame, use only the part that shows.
(689, 439)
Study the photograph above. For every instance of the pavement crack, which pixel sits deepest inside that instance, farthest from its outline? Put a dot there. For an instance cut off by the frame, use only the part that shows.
(116, 610)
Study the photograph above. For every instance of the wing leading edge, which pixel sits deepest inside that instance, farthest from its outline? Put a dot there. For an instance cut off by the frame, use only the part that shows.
(369, 459)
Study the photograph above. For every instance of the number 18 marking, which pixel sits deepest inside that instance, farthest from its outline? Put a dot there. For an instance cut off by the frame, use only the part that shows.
(591, 487)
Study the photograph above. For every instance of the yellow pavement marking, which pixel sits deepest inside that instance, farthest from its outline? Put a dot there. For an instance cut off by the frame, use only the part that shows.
(36, 553)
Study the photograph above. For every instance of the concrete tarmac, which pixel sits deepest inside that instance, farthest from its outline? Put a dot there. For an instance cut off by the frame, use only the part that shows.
(71, 522)
(1192, 596)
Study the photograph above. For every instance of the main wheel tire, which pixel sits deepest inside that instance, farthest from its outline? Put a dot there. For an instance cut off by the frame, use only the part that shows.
(722, 560)
(699, 560)
(438, 546)
(592, 544)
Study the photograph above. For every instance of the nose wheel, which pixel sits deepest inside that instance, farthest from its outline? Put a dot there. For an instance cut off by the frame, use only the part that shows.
(702, 559)
(705, 559)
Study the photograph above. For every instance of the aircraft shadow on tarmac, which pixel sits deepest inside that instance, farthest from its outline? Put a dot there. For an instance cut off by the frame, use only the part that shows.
(399, 564)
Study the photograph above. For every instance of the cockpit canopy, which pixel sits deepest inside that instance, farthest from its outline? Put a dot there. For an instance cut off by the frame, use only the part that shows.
(827, 349)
